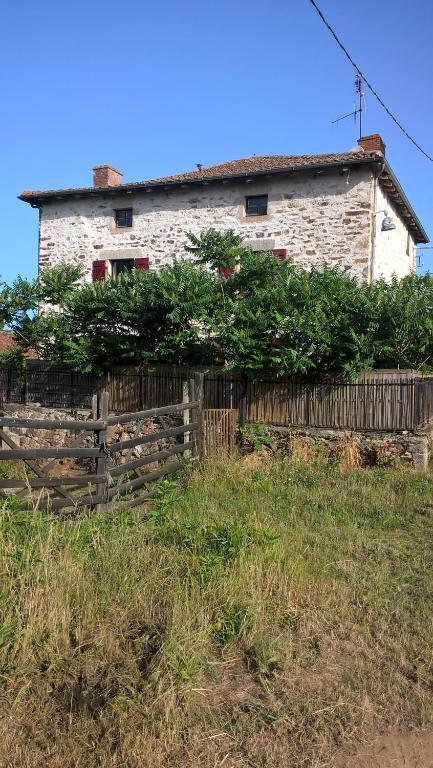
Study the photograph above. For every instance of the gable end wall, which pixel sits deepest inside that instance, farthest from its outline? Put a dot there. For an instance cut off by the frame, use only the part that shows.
(395, 250)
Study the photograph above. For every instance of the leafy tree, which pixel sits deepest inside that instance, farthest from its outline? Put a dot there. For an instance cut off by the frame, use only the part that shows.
(294, 321)
(20, 307)
(216, 249)
(403, 312)
(143, 316)
(269, 316)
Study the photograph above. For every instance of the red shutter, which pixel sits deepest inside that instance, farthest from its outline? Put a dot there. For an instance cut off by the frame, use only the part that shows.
(141, 263)
(99, 270)
(280, 253)
(226, 271)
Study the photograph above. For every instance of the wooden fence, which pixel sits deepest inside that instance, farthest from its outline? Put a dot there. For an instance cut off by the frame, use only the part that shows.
(381, 400)
(107, 481)
(219, 429)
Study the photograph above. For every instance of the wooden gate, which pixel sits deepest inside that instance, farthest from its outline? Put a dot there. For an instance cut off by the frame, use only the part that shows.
(112, 471)
(219, 426)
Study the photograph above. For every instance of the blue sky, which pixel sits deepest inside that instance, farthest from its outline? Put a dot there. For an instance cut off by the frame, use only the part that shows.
(155, 87)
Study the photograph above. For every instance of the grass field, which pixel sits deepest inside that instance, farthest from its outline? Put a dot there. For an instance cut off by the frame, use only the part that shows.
(267, 613)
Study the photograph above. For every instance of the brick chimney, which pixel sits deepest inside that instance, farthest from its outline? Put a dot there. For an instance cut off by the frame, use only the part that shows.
(373, 143)
(106, 176)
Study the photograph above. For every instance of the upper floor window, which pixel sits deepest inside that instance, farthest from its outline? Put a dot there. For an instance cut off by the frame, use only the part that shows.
(123, 217)
(257, 205)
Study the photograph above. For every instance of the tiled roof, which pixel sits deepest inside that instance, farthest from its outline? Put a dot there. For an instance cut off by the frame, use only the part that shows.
(257, 164)
(8, 342)
(263, 164)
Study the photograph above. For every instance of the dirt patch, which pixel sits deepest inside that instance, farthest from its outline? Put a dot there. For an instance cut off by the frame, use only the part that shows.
(256, 459)
(392, 750)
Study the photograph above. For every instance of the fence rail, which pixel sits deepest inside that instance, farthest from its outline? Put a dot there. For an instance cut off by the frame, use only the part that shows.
(107, 481)
(380, 400)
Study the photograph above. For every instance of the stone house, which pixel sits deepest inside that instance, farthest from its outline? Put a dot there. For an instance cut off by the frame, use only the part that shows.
(346, 208)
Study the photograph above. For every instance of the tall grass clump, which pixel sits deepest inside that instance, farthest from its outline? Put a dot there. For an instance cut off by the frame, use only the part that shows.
(255, 615)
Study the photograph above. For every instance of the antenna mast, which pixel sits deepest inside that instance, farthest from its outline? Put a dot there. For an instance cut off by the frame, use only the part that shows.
(360, 92)
(357, 110)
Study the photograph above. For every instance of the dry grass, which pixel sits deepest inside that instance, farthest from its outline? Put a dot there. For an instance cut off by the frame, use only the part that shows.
(265, 615)
(348, 452)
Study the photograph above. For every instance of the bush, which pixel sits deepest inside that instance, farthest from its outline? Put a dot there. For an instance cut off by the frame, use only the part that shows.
(268, 316)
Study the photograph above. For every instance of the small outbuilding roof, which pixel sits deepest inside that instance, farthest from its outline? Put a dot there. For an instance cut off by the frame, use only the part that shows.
(8, 342)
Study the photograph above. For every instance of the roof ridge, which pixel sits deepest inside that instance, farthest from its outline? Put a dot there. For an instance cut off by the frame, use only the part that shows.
(255, 165)
(199, 173)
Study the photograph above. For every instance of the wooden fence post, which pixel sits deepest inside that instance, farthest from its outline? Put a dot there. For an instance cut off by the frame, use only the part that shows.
(199, 396)
(100, 411)
(24, 385)
(186, 398)
(415, 402)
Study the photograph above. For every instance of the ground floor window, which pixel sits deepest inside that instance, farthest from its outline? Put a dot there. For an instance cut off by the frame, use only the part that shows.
(110, 270)
(120, 266)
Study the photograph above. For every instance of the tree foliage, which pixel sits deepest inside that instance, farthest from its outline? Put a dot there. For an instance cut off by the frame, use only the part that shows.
(215, 249)
(269, 316)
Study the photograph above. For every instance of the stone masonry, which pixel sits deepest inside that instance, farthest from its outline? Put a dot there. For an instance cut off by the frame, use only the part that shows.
(371, 448)
(320, 219)
(26, 437)
(344, 209)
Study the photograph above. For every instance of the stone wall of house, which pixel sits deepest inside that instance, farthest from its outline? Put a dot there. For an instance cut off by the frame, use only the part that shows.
(394, 251)
(318, 218)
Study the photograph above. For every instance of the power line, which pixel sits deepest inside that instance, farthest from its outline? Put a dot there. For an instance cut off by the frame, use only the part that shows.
(374, 92)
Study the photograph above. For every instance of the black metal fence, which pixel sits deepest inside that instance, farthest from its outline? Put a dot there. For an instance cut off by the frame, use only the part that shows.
(381, 400)
(48, 384)
(12, 385)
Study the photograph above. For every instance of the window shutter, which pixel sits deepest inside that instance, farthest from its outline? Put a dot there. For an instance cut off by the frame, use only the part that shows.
(141, 263)
(99, 270)
(226, 271)
(280, 253)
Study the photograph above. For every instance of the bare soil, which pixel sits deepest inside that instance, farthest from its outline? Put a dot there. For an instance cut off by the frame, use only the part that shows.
(392, 750)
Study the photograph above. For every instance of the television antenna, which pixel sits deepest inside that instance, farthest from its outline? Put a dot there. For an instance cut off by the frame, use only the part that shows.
(357, 110)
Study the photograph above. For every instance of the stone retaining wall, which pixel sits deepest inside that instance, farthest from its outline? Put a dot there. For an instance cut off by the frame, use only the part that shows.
(371, 448)
(26, 437)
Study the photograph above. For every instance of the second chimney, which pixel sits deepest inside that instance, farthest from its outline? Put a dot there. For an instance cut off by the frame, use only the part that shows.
(373, 143)
(106, 176)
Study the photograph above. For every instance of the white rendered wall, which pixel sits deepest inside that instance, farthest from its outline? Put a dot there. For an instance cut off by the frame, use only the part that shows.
(394, 251)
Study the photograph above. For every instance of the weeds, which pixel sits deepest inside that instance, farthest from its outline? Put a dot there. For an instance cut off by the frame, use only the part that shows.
(228, 625)
(255, 435)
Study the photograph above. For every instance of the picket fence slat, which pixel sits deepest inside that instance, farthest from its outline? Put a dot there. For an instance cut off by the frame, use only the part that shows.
(54, 504)
(52, 482)
(150, 413)
(151, 438)
(385, 400)
(49, 453)
(67, 424)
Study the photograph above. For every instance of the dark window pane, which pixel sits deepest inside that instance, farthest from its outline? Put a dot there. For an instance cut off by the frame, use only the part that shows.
(124, 217)
(257, 205)
(121, 265)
